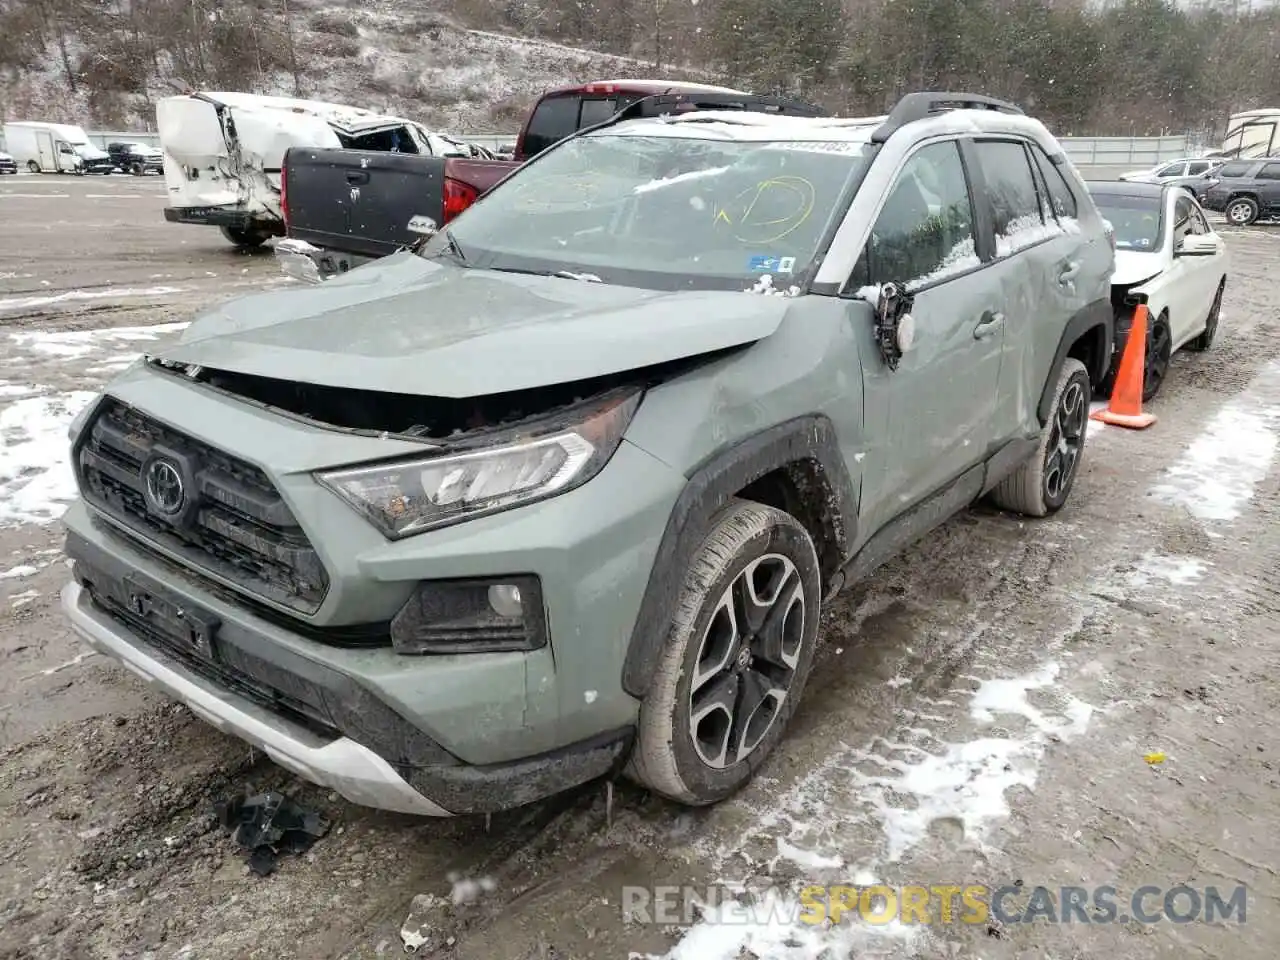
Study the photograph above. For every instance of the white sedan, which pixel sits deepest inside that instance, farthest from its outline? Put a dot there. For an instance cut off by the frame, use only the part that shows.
(1183, 167)
(1168, 257)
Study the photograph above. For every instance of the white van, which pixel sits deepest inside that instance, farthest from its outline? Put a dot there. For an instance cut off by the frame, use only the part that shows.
(54, 148)
(223, 153)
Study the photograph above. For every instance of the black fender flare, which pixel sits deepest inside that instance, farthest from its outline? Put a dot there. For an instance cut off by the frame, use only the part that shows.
(1098, 314)
(809, 441)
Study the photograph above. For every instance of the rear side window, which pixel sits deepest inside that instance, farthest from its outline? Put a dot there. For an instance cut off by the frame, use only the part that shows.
(1061, 199)
(553, 119)
(1270, 171)
(1011, 192)
(1197, 167)
(1234, 169)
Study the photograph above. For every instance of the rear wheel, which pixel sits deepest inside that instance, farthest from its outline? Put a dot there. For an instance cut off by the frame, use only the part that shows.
(1159, 353)
(1041, 485)
(243, 238)
(738, 651)
(33, 167)
(1242, 211)
(1205, 340)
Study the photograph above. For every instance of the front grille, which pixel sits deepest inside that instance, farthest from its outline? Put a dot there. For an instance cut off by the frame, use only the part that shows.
(232, 523)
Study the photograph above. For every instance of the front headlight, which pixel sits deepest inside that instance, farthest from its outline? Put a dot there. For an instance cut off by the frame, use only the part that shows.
(405, 497)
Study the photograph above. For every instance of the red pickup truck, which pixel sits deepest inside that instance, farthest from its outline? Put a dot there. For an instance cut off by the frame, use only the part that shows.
(343, 207)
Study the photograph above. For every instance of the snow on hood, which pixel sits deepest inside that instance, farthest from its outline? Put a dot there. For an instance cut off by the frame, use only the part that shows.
(1134, 267)
(409, 325)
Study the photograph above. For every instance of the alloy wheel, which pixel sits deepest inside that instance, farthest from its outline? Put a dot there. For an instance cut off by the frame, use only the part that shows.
(746, 661)
(1240, 213)
(1158, 356)
(1066, 438)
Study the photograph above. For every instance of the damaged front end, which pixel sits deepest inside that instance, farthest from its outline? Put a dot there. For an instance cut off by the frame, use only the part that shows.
(481, 454)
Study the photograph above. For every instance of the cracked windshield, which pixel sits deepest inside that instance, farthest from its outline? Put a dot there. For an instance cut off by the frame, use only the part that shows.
(639, 479)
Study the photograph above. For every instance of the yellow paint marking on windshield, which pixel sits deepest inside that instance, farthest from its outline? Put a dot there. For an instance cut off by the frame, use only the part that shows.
(760, 231)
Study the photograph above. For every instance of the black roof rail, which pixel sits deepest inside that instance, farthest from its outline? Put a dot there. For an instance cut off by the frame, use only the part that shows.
(920, 106)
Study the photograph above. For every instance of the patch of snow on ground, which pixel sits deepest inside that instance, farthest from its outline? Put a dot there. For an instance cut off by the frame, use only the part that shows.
(963, 782)
(29, 303)
(771, 928)
(76, 344)
(35, 474)
(1177, 570)
(1218, 473)
(22, 599)
(8, 389)
(15, 572)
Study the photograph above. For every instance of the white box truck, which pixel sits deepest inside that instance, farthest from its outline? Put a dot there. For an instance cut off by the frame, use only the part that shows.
(223, 153)
(54, 148)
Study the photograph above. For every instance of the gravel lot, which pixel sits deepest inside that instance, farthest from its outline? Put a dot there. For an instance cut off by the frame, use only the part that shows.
(980, 713)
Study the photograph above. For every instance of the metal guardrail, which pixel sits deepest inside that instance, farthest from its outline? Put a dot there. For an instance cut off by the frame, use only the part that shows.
(1131, 153)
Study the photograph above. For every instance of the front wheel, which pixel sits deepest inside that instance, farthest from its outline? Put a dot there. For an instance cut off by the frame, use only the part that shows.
(1159, 354)
(738, 651)
(1242, 211)
(1041, 485)
(33, 167)
(245, 239)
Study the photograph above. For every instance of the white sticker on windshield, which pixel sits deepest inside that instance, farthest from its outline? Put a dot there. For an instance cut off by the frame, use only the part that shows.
(786, 264)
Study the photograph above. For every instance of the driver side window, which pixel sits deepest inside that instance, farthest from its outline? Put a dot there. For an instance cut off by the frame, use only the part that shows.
(925, 229)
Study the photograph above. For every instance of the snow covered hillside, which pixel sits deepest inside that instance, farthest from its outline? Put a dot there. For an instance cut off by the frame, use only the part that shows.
(391, 55)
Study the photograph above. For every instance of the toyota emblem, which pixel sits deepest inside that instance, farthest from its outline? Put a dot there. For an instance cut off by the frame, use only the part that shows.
(165, 489)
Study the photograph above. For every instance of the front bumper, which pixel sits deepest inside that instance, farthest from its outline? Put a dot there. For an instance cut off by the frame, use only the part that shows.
(351, 770)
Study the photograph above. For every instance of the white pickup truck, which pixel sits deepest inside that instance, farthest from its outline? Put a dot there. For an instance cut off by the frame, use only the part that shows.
(223, 153)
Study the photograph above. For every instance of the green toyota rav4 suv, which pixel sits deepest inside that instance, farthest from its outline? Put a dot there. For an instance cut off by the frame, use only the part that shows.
(559, 492)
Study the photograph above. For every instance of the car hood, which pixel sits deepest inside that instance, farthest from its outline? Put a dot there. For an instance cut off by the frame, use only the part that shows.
(409, 325)
(1134, 267)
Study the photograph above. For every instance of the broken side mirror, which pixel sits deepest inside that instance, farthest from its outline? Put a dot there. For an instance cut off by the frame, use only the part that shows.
(895, 328)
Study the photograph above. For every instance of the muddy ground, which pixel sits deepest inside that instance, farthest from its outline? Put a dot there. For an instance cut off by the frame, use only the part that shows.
(980, 713)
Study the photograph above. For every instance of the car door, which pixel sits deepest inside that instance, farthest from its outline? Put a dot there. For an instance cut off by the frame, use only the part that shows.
(1269, 188)
(930, 419)
(1188, 282)
(1044, 265)
(1208, 271)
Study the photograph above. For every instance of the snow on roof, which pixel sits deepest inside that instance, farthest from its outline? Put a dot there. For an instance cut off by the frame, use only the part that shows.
(750, 126)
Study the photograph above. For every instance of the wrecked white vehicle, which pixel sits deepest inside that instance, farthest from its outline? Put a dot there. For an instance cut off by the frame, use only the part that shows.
(223, 153)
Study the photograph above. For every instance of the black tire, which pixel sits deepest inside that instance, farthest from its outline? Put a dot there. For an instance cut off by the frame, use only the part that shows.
(1158, 356)
(1241, 211)
(1040, 486)
(136, 169)
(1205, 340)
(244, 239)
(746, 542)
(33, 167)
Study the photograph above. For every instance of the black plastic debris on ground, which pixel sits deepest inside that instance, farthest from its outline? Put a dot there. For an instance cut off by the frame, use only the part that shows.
(268, 825)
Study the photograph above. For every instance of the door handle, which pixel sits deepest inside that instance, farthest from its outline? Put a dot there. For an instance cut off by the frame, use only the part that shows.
(357, 176)
(1069, 272)
(988, 325)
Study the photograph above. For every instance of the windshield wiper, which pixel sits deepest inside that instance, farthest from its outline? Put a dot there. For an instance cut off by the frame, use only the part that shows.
(563, 274)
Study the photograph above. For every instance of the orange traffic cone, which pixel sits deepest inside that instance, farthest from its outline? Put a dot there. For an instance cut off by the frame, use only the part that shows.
(1124, 409)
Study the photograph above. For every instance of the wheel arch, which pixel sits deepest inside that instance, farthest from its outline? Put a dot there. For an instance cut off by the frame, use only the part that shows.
(795, 466)
(1087, 337)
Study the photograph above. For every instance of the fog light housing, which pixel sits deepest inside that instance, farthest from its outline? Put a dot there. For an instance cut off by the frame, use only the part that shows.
(495, 615)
